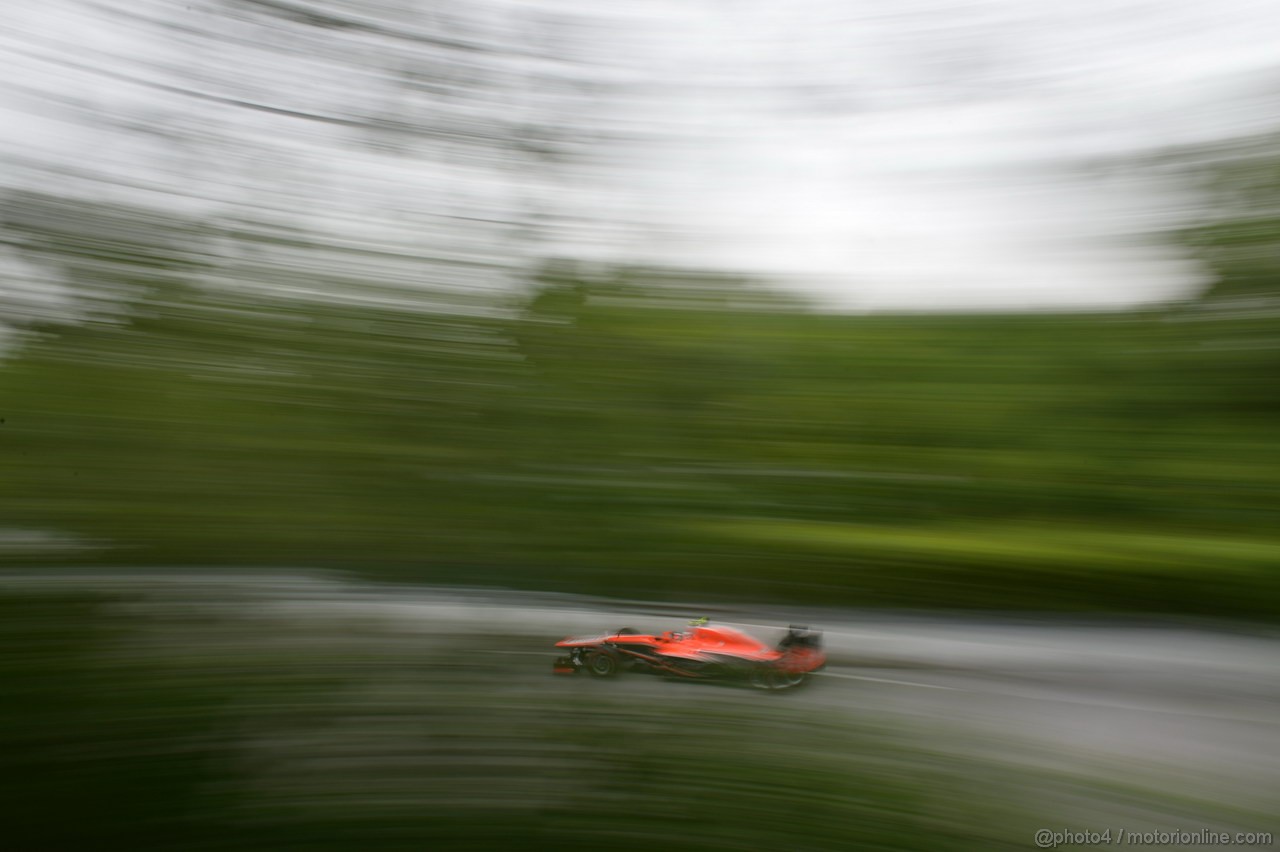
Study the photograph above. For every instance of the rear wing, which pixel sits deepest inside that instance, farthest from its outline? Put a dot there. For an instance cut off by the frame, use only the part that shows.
(800, 636)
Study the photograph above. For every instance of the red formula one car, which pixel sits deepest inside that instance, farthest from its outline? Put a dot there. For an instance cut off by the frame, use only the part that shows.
(701, 652)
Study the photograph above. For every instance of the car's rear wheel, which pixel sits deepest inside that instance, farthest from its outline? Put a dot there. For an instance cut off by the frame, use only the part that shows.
(769, 678)
(602, 664)
(790, 680)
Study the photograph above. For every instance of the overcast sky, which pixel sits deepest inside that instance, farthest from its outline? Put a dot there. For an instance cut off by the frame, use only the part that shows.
(881, 154)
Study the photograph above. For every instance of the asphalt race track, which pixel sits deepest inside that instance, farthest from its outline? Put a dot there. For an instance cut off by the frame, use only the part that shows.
(1132, 723)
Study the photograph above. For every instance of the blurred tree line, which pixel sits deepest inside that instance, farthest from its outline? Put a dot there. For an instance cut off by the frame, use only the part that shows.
(636, 432)
(1237, 231)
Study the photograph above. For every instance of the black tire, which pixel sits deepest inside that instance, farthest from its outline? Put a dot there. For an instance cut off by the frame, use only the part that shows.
(792, 680)
(775, 680)
(602, 664)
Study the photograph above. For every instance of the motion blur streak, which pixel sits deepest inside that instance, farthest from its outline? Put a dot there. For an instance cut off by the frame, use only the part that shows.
(354, 353)
(281, 712)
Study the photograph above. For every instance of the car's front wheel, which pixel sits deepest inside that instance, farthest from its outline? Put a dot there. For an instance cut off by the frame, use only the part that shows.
(602, 664)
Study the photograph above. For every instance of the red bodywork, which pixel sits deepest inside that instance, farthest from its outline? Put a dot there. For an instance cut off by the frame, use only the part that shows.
(699, 652)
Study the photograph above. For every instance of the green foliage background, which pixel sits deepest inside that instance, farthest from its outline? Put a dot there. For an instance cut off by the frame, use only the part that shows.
(635, 433)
